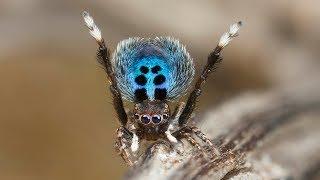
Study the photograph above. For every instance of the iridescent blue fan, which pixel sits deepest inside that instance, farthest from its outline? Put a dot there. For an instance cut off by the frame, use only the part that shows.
(153, 69)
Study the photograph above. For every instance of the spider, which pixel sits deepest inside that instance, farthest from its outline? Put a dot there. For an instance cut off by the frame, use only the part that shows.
(151, 72)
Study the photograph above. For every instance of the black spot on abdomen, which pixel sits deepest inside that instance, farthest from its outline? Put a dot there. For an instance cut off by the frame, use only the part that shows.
(155, 69)
(141, 80)
(144, 69)
(160, 93)
(159, 79)
(141, 94)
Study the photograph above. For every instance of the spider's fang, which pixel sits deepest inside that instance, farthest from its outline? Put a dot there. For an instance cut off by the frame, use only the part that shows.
(94, 30)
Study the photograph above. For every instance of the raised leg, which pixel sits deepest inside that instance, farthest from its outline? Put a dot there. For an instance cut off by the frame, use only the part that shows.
(122, 145)
(213, 59)
(103, 57)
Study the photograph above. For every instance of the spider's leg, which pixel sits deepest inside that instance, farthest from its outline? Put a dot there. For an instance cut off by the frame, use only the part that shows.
(122, 145)
(174, 123)
(205, 139)
(209, 147)
(191, 140)
(186, 133)
(169, 135)
(103, 57)
(135, 139)
(213, 59)
(177, 112)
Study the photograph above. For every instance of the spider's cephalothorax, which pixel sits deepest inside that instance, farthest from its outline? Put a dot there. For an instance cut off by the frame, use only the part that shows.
(150, 72)
(151, 119)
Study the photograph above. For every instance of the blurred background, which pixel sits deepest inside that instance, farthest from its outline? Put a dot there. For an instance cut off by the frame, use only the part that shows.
(56, 118)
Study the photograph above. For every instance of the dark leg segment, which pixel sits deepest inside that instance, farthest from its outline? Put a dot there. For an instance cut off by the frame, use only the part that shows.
(213, 59)
(177, 113)
(103, 57)
(123, 134)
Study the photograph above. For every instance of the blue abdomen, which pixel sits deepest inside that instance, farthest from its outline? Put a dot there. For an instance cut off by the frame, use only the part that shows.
(150, 78)
(152, 69)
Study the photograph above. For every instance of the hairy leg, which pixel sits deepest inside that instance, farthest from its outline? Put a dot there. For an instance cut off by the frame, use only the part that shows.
(122, 145)
(187, 132)
(191, 140)
(103, 57)
(177, 113)
(205, 139)
(213, 59)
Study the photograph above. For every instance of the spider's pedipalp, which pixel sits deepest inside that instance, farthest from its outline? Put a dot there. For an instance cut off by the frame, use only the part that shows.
(170, 137)
(135, 143)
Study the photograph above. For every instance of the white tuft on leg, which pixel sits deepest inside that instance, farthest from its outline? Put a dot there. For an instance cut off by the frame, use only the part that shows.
(228, 36)
(169, 135)
(135, 143)
(94, 30)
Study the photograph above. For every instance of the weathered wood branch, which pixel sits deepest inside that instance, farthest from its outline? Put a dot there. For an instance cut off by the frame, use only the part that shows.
(238, 128)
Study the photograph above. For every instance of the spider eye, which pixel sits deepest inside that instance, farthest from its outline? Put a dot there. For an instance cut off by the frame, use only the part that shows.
(165, 116)
(136, 116)
(156, 119)
(145, 119)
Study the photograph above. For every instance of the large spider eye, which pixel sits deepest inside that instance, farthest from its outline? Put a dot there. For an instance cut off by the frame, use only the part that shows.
(145, 119)
(156, 119)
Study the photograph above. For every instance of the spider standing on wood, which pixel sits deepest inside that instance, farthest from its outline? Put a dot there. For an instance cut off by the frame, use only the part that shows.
(150, 73)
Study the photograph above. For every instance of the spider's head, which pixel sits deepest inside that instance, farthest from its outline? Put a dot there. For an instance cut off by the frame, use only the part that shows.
(151, 114)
